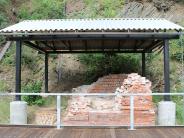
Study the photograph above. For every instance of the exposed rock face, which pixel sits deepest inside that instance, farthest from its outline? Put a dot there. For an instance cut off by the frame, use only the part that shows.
(163, 4)
(153, 9)
(113, 110)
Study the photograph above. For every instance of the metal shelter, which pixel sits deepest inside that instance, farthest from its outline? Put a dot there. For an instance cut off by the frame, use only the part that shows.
(110, 35)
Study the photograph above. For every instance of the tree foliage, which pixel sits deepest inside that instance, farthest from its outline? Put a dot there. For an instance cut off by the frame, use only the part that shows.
(103, 64)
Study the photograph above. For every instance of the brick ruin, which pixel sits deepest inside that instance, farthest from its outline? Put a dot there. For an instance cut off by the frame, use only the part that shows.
(107, 84)
(86, 110)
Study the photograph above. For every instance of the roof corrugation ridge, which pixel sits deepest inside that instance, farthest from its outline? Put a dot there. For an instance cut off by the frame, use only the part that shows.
(93, 19)
(91, 24)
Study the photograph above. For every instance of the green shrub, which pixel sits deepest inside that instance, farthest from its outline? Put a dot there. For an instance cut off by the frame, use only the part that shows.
(3, 3)
(3, 23)
(3, 17)
(109, 7)
(9, 57)
(30, 58)
(182, 1)
(176, 52)
(34, 87)
(103, 8)
(43, 9)
(3, 20)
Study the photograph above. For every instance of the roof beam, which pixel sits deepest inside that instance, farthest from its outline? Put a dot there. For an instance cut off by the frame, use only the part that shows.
(119, 44)
(98, 48)
(156, 44)
(159, 49)
(138, 44)
(86, 45)
(145, 36)
(34, 46)
(46, 45)
(69, 44)
(102, 46)
(66, 44)
(88, 52)
(53, 45)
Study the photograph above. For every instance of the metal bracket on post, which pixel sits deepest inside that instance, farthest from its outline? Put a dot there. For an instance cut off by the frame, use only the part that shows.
(58, 123)
(131, 113)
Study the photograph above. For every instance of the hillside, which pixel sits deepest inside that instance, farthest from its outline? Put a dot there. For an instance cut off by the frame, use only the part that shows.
(61, 71)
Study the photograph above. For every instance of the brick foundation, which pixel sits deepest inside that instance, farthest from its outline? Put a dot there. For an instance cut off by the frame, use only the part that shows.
(113, 110)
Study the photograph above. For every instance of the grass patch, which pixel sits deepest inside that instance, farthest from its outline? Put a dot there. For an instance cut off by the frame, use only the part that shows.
(50, 101)
(179, 100)
(3, 86)
(5, 110)
(180, 113)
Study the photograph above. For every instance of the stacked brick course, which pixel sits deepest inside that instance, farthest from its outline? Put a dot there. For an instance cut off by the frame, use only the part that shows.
(107, 84)
(85, 110)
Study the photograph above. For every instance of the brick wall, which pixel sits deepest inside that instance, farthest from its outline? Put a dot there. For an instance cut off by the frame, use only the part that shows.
(112, 110)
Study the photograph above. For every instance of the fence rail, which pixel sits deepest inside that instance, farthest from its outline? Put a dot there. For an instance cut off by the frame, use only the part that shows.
(91, 94)
(59, 95)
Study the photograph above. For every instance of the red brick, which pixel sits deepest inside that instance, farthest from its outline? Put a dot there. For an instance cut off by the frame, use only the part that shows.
(143, 106)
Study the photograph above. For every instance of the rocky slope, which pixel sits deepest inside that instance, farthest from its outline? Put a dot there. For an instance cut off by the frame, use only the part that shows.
(158, 9)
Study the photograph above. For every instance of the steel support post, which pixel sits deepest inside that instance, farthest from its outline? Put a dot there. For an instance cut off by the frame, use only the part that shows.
(46, 72)
(143, 65)
(18, 70)
(166, 70)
